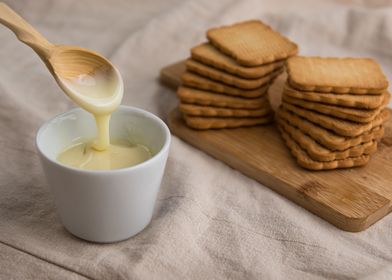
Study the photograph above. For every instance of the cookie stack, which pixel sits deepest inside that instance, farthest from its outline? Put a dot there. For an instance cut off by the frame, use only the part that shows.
(333, 110)
(227, 79)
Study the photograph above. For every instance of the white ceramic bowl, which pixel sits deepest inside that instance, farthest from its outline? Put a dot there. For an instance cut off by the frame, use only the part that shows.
(104, 206)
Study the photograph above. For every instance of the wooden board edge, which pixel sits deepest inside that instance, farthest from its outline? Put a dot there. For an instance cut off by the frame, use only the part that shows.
(170, 75)
(341, 221)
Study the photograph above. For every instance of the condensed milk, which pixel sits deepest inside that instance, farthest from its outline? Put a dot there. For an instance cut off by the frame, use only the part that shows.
(100, 94)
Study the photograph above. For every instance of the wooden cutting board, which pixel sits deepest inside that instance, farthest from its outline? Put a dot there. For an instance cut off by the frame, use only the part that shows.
(351, 199)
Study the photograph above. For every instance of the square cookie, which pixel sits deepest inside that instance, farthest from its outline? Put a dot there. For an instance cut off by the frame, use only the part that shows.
(209, 55)
(251, 43)
(194, 80)
(346, 113)
(326, 137)
(202, 123)
(338, 75)
(211, 111)
(207, 98)
(230, 79)
(358, 101)
(338, 126)
(304, 160)
(318, 152)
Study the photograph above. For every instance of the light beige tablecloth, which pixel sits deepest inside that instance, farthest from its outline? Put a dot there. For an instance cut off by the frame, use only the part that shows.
(210, 221)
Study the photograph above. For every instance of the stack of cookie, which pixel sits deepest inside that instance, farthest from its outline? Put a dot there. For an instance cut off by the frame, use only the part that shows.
(333, 110)
(227, 79)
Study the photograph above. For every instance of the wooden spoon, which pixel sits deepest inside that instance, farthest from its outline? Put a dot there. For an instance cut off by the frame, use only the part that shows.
(67, 63)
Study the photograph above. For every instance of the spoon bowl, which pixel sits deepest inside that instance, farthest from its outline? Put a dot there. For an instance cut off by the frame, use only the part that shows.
(86, 77)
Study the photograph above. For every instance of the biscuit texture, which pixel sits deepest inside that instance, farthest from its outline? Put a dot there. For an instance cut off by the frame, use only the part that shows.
(215, 123)
(318, 152)
(305, 161)
(326, 137)
(363, 101)
(251, 43)
(229, 79)
(210, 111)
(196, 81)
(209, 55)
(201, 97)
(351, 114)
(339, 126)
(338, 75)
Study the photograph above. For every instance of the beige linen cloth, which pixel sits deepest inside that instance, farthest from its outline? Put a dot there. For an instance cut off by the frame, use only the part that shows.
(210, 221)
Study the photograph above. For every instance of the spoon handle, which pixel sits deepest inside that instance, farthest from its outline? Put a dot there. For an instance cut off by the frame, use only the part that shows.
(24, 31)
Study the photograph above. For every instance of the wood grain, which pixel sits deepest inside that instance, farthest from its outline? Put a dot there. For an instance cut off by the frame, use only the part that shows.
(351, 199)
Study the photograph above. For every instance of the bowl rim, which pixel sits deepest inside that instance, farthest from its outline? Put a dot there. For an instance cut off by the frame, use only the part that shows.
(129, 109)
